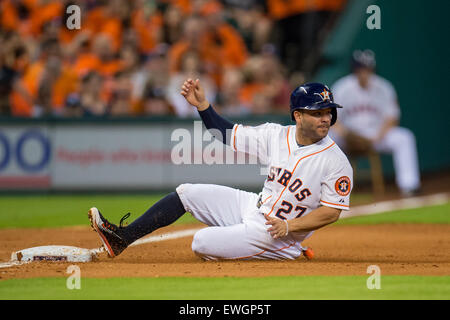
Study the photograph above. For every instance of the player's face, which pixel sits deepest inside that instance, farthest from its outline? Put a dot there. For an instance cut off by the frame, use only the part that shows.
(314, 124)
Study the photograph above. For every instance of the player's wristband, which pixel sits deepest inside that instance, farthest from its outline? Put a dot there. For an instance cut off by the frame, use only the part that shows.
(287, 228)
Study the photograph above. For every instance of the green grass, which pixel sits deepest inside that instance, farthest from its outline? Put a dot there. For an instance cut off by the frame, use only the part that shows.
(439, 214)
(61, 210)
(272, 288)
(52, 211)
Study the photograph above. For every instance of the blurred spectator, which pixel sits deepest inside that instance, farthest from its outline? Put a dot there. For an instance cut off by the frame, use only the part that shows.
(278, 88)
(109, 20)
(44, 12)
(369, 120)
(157, 81)
(45, 85)
(193, 29)
(11, 13)
(253, 88)
(7, 78)
(147, 25)
(265, 88)
(252, 23)
(190, 68)
(89, 100)
(143, 45)
(299, 24)
(13, 60)
(131, 64)
(218, 44)
(101, 58)
(155, 102)
(223, 47)
(229, 96)
(121, 99)
(172, 25)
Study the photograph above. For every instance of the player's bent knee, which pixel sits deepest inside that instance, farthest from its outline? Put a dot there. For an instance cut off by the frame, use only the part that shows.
(199, 244)
(183, 188)
(189, 190)
(183, 191)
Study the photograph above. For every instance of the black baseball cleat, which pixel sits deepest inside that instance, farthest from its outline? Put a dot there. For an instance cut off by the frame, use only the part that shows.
(109, 233)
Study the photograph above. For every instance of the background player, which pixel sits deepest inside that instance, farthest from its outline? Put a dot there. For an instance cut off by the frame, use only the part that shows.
(372, 114)
(308, 185)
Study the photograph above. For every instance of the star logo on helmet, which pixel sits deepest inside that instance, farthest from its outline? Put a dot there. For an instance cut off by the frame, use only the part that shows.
(325, 95)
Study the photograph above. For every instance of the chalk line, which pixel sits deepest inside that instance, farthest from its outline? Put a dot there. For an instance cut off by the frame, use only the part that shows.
(392, 205)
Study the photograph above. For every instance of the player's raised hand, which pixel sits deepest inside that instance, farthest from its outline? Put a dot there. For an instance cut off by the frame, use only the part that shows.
(193, 92)
(279, 228)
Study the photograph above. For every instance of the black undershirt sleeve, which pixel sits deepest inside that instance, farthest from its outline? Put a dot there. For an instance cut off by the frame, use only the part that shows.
(212, 120)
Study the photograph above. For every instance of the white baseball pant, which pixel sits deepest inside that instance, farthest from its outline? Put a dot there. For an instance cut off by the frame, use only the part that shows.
(236, 228)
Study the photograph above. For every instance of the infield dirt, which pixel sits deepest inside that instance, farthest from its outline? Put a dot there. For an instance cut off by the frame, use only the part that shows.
(398, 249)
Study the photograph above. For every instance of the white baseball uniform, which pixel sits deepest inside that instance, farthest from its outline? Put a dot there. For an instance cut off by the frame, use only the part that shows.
(365, 111)
(300, 180)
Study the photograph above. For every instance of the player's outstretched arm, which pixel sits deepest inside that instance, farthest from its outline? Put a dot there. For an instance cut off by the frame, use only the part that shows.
(193, 92)
(316, 219)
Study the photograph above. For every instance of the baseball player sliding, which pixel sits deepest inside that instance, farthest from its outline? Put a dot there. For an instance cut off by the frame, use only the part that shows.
(309, 183)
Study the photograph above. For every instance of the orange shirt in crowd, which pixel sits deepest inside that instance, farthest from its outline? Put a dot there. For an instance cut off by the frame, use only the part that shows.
(148, 30)
(9, 17)
(43, 13)
(283, 9)
(204, 8)
(184, 5)
(229, 51)
(20, 105)
(66, 84)
(87, 62)
(40, 13)
(248, 91)
(97, 21)
(66, 36)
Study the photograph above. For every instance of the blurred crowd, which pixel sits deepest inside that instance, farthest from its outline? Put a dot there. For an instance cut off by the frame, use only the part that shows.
(129, 57)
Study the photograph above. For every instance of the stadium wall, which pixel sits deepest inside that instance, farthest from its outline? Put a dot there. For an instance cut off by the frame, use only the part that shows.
(66, 155)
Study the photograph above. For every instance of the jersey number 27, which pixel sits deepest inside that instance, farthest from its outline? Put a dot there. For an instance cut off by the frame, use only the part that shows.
(286, 208)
